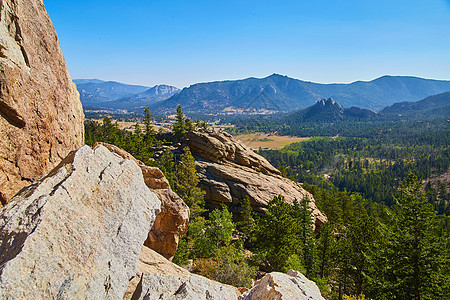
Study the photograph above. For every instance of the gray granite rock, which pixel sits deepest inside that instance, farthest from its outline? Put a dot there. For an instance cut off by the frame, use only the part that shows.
(158, 278)
(77, 232)
(291, 286)
(194, 287)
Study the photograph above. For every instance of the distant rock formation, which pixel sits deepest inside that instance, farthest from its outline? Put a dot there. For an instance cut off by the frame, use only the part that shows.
(275, 285)
(173, 219)
(158, 278)
(229, 171)
(41, 118)
(78, 231)
(328, 110)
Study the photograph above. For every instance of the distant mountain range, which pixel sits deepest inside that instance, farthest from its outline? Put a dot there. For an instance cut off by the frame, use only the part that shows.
(278, 93)
(436, 106)
(99, 94)
(275, 93)
(328, 110)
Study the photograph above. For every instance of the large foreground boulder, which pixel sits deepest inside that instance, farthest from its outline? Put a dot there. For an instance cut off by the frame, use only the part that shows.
(173, 219)
(77, 232)
(229, 171)
(41, 118)
(291, 286)
(158, 278)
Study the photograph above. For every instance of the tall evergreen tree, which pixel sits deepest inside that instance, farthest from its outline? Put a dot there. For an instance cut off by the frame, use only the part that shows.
(166, 163)
(326, 245)
(186, 183)
(303, 215)
(415, 259)
(246, 223)
(179, 127)
(277, 238)
(357, 248)
(149, 131)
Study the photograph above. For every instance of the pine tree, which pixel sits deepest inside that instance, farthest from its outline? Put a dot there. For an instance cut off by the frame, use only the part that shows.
(357, 256)
(149, 131)
(166, 164)
(186, 184)
(179, 127)
(415, 260)
(246, 223)
(303, 215)
(277, 236)
(326, 250)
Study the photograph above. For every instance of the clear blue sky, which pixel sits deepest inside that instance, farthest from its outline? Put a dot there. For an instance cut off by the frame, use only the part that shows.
(185, 42)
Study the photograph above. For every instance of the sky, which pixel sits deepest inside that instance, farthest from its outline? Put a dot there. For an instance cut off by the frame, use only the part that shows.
(180, 43)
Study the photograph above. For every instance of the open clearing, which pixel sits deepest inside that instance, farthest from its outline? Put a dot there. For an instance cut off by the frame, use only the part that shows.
(268, 141)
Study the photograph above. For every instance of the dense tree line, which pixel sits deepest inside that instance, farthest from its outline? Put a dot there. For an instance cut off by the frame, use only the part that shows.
(369, 166)
(379, 252)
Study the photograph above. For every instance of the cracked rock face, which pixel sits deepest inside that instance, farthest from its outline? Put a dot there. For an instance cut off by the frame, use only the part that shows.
(41, 118)
(229, 171)
(77, 232)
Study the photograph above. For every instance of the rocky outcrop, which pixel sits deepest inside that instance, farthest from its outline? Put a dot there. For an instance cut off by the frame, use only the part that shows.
(173, 219)
(77, 232)
(41, 118)
(291, 286)
(157, 278)
(230, 171)
(169, 225)
(221, 147)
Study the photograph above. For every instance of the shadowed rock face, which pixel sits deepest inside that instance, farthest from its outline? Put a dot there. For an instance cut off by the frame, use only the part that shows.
(41, 118)
(230, 171)
(78, 231)
(173, 219)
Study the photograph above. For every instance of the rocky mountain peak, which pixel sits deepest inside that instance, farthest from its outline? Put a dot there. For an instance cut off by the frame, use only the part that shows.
(330, 102)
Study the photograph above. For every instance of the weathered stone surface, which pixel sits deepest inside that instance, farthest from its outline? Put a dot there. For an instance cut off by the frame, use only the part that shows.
(77, 232)
(173, 219)
(229, 171)
(222, 147)
(41, 118)
(154, 177)
(157, 278)
(169, 225)
(291, 286)
(152, 262)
